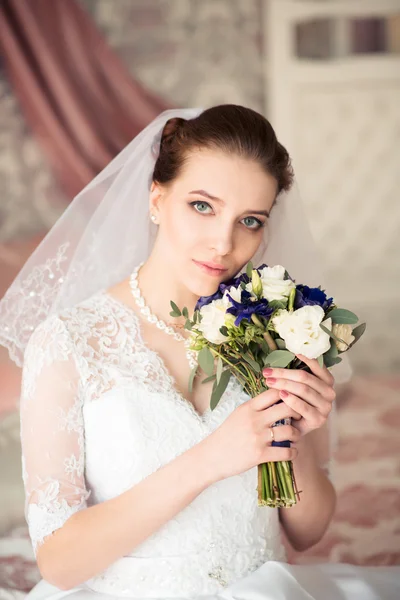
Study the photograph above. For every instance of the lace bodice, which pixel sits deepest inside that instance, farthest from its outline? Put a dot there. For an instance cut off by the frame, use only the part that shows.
(99, 413)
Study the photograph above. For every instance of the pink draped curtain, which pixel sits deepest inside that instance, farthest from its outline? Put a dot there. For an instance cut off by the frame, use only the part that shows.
(80, 101)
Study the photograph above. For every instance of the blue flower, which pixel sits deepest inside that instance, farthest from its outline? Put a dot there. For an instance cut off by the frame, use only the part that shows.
(235, 281)
(247, 307)
(204, 300)
(306, 296)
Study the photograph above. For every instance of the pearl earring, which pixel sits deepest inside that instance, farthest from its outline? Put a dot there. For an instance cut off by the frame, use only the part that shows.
(153, 218)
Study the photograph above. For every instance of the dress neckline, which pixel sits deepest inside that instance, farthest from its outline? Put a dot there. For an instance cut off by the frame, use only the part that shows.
(203, 417)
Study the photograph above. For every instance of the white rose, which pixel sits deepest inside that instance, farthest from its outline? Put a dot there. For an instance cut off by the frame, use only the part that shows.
(274, 286)
(301, 330)
(213, 317)
(345, 333)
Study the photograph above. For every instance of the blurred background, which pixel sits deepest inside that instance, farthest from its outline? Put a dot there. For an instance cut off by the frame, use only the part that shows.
(80, 78)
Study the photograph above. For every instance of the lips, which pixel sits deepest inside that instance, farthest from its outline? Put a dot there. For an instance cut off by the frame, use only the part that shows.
(211, 268)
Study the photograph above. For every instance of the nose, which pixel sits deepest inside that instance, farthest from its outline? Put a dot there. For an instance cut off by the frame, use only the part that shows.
(222, 242)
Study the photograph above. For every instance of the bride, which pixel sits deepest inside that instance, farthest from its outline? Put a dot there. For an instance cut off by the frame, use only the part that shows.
(134, 487)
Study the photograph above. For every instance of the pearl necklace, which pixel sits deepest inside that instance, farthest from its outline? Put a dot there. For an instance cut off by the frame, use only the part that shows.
(152, 318)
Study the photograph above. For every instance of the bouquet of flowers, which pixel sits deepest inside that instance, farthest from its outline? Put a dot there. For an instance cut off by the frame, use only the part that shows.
(262, 318)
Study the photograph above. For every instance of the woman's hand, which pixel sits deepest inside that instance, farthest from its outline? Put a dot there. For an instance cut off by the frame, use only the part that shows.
(244, 439)
(309, 394)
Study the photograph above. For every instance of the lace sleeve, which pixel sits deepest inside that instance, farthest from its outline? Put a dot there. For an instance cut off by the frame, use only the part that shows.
(52, 431)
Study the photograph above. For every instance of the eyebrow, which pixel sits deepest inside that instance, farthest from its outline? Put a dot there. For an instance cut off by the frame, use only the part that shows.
(210, 197)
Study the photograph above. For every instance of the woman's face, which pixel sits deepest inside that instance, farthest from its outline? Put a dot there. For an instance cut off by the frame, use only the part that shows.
(212, 218)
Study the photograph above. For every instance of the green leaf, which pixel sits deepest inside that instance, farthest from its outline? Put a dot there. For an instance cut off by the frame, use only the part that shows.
(280, 343)
(320, 360)
(191, 378)
(264, 346)
(243, 285)
(333, 351)
(219, 369)
(207, 379)
(252, 362)
(358, 332)
(279, 358)
(224, 330)
(249, 269)
(342, 316)
(277, 304)
(185, 312)
(175, 308)
(332, 335)
(219, 389)
(188, 325)
(174, 314)
(330, 361)
(206, 360)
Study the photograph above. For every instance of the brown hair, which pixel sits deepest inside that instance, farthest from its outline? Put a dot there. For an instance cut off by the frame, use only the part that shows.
(230, 128)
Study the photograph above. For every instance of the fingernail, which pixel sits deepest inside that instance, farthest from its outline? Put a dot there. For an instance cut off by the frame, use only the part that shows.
(271, 380)
(267, 372)
(283, 394)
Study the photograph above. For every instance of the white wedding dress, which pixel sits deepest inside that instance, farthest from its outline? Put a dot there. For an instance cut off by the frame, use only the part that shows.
(99, 413)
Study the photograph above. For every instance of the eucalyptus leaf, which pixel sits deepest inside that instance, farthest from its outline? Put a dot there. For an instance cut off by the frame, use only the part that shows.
(330, 361)
(188, 325)
(174, 314)
(264, 346)
(219, 369)
(342, 316)
(280, 343)
(277, 304)
(185, 312)
(191, 378)
(358, 332)
(206, 360)
(207, 379)
(249, 269)
(254, 364)
(219, 389)
(279, 358)
(332, 335)
(333, 350)
(175, 308)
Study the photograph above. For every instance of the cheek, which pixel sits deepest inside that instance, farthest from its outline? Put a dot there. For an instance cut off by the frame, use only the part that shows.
(180, 232)
(248, 243)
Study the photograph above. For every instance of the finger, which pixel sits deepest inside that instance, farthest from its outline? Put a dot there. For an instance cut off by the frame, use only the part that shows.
(299, 376)
(319, 371)
(283, 433)
(305, 393)
(312, 416)
(276, 454)
(265, 399)
(280, 411)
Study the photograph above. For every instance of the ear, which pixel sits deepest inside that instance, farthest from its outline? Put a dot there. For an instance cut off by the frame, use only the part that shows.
(155, 198)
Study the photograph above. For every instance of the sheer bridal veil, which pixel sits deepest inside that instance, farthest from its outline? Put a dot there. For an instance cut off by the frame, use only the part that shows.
(106, 231)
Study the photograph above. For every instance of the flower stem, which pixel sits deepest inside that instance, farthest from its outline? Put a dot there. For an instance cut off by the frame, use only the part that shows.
(270, 340)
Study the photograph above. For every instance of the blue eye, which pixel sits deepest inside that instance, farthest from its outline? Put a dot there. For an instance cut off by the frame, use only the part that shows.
(249, 222)
(200, 206)
(253, 223)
